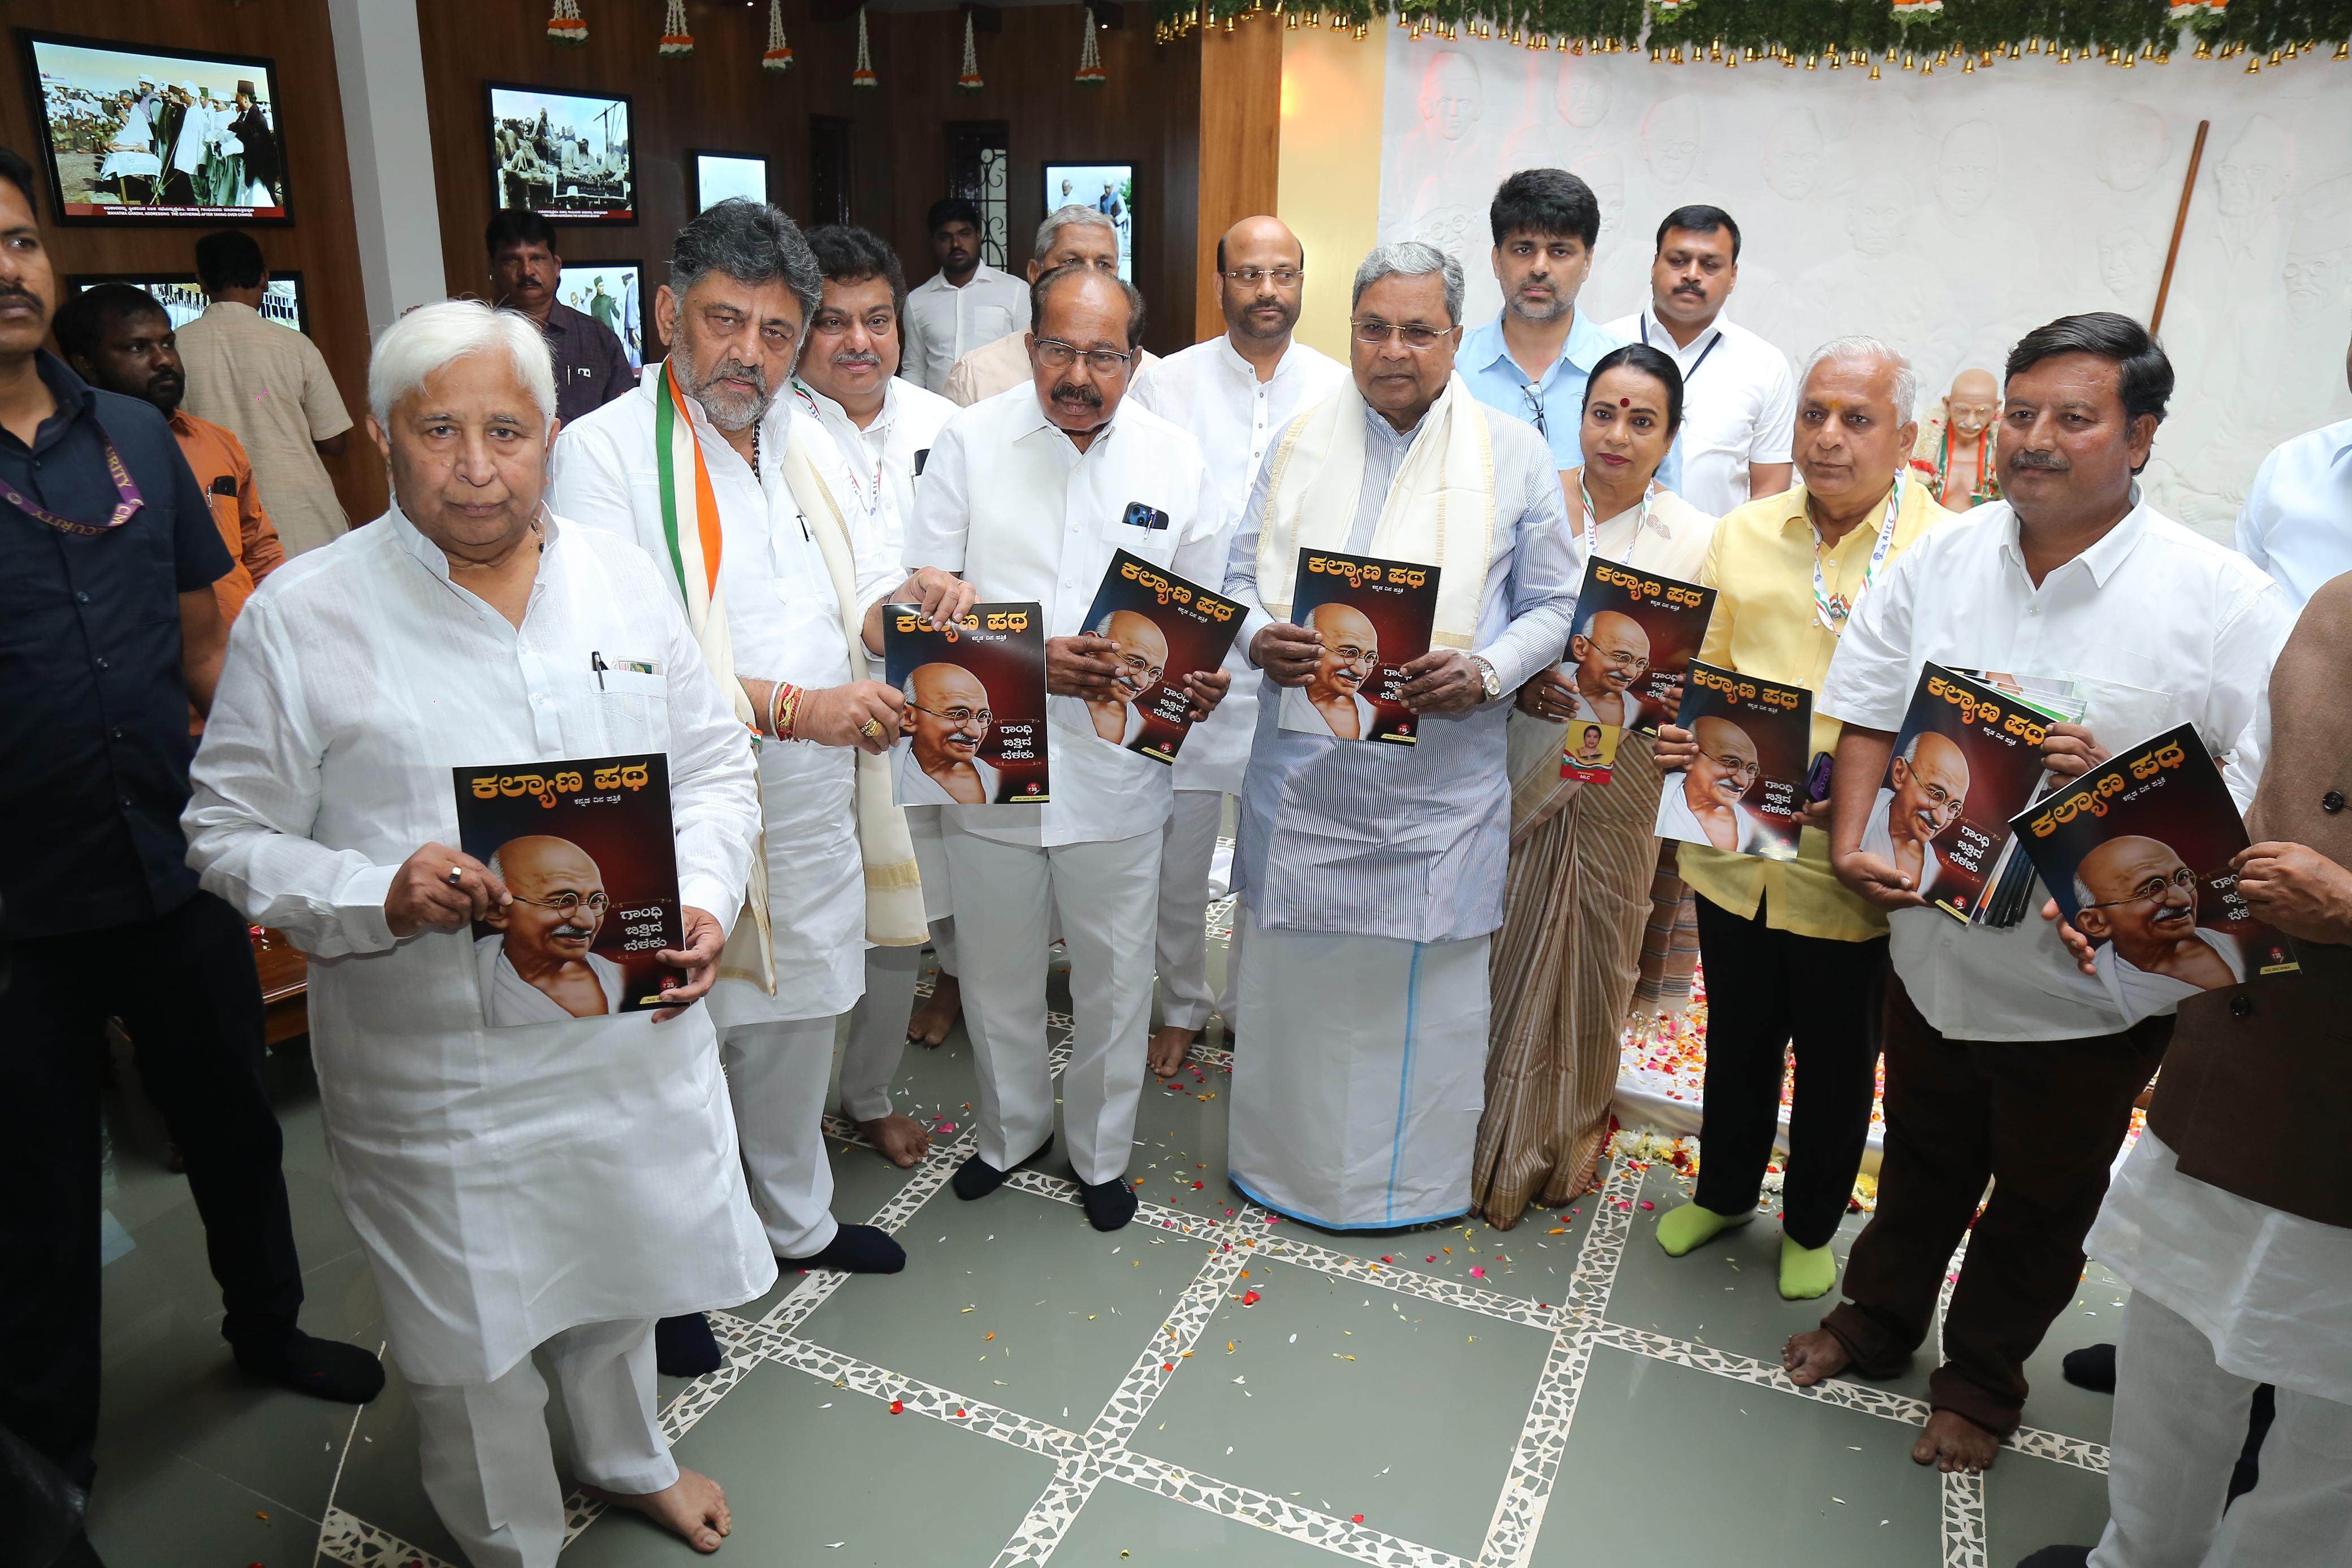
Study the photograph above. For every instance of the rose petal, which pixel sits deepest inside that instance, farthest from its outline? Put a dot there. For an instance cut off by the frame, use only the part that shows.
(898, 1408)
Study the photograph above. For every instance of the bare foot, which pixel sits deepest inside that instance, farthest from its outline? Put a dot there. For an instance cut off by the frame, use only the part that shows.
(929, 1027)
(1952, 1442)
(1812, 1356)
(692, 1507)
(900, 1138)
(1168, 1050)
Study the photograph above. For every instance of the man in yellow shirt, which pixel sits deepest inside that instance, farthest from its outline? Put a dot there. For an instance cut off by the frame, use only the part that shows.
(1788, 950)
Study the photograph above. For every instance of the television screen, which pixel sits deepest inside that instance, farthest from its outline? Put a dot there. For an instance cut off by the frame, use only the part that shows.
(135, 135)
(183, 301)
(607, 290)
(566, 156)
(1109, 189)
(720, 177)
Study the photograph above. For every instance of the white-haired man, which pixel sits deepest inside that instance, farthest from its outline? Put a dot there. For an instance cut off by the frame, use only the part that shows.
(1372, 879)
(1234, 392)
(884, 426)
(1073, 234)
(553, 1189)
(1029, 494)
(1792, 953)
(784, 593)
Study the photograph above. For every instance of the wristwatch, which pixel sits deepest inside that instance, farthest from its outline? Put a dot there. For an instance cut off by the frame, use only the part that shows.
(1488, 679)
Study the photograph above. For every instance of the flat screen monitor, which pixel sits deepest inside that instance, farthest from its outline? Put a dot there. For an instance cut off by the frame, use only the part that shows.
(1109, 189)
(282, 301)
(136, 135)
(569, 157)
(608, 291)
(721, 177)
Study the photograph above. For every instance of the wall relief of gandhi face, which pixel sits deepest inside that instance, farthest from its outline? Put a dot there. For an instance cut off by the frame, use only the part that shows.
(1451, 99)
(2131, 145)
(1930, 789)
(1352, 653)
(1605, 172)
(2127, 265)
(947, 715)
(1877, 221)
(1792, 154)
(1583, 92)
(1670, 139)
(2254, 171)
(1967, 167)
(2317, 272)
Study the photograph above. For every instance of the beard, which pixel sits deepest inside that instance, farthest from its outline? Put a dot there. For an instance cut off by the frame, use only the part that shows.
(1250, 324)
(1542, 310)
(729, 411)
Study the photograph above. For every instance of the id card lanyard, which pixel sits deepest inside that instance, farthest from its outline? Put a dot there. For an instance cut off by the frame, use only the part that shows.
(1591, 537)
(1832, 611)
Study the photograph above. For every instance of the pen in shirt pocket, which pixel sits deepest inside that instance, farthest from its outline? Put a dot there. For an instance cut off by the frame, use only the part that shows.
(597, 665)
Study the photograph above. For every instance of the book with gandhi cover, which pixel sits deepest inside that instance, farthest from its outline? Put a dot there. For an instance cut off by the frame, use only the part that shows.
(1375, 617)
(1745, 791)
(1166, 627)
(972, 730)
(586, 849)
(2136, 852)
(1966, 759)
(1634, 636)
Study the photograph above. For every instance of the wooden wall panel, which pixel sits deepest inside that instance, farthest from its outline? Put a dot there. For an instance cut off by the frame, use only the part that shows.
(1240, 143)
(1146, 114)
(320, 244)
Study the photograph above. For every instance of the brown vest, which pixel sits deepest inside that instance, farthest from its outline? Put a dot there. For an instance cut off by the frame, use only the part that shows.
(2240, 1056)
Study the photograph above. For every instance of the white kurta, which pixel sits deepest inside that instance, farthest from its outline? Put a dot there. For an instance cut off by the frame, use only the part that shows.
(786, 626)
(506, 1183)
(2137, 992)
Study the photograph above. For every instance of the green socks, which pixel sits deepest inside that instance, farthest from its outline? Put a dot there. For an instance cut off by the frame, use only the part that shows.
(1805, 1271)
(1691, 1226)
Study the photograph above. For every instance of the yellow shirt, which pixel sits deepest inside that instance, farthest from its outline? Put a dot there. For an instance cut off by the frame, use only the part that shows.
(1761, 563)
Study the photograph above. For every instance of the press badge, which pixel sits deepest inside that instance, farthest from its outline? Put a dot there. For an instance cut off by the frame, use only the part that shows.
(1140, 516)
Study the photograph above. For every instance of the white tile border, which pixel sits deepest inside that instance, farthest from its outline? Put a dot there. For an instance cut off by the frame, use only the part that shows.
(343, 1538)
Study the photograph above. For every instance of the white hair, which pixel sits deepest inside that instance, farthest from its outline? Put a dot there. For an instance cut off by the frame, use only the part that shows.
(1072, 216)
(432, 337)
(1906, 380)
(1410, 258)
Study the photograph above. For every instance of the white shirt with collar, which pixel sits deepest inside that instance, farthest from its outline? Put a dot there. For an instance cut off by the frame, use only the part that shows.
(2296, 523)
(785, 623)
(1009, 501)
(1739, 405)
(1210, 390)
(2157, 625)
(879, 462)
(944, 323)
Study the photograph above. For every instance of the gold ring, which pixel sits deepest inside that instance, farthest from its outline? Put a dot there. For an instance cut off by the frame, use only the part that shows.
(871, 729)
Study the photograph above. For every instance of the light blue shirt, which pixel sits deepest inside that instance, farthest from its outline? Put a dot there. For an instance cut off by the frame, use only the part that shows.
(2296, 523)
(1410, 842)
(1496, 381)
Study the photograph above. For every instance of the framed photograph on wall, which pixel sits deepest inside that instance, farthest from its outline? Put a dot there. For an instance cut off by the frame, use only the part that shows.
(1109, 189)
(610, 292)
(569, 157)
(721, 177)
(135, 135)
(183, 299)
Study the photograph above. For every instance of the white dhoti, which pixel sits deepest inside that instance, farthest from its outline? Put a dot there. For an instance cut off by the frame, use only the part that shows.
(1187, 854)
(878, 1032)
(487, 1461)
(1107, 896)
(923, 825)
(776, 1076)
(1358, 1088)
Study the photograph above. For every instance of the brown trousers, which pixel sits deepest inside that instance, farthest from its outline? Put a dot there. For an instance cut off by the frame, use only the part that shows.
(2042, 1120)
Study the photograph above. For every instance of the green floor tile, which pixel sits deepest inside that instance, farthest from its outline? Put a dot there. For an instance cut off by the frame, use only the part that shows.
(380, 1483)
(186, 1514)
(1070, 1307)
(2032, 1503)
(1123, 1527)
(2094, 1315)
(1414, 1433)
(1668, 1464)
(818, 1475)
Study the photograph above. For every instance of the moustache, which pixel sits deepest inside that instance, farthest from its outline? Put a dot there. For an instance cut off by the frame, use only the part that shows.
(18, 291)
(568, 931)
(1078, 393)
(1688, 288)
(2042, 462)
(736, 369)
(865, 361)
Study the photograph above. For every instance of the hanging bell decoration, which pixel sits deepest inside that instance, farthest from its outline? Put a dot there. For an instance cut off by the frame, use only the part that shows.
(676, 41)
(565, 26)
(778, 56)
(861, 73)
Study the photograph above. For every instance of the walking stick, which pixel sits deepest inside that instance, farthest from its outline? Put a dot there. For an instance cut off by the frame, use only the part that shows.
(2180, 222)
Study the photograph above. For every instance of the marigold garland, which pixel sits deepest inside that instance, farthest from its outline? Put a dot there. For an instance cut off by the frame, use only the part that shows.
(778, 56)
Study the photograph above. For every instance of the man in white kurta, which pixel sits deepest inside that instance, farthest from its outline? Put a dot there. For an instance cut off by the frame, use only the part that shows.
(1070, 234)
(790, 571)
(1027, 493)
(555, 1186)
(883, 427)
(964, 304)
(1373, 876)
(1234, 392)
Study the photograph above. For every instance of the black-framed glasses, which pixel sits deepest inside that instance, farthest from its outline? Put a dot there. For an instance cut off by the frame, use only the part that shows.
(568, 904)
(959, 717)
(2153, 890)
(1054, 354)
(1281, 276)
(1535, 409)
(1412, 335)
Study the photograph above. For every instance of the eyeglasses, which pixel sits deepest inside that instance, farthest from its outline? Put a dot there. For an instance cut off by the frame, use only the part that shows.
(1738, 767)
(1626, 659)
(1056, 355)
(1418, 338)
(2153, 890)
(1536, 407)
(1144, 673)
(568, 904)
(1281, 276)
(961, 717)
(1348, 653)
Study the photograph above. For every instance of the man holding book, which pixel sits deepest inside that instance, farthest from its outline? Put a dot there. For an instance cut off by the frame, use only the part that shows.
(2003, 1059)
(1372, 875)
(1790, 953)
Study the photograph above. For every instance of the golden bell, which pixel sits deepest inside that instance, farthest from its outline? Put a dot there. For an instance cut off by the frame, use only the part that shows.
(1813, 62)
(1655, 55)
(1874, 73)
(2344, 51)
(2015, 52)
(1716, 53)
(2253, 65)
(2066, 57)
(1967, 67)
(1837, 61)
